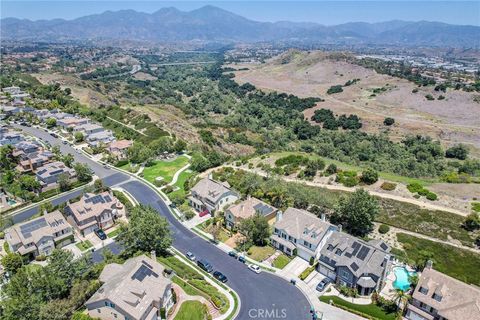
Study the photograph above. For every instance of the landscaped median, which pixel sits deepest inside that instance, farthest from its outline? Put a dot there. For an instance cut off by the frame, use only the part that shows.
(196, 282)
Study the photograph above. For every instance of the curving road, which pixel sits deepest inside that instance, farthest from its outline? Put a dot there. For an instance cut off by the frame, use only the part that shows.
(262, 296)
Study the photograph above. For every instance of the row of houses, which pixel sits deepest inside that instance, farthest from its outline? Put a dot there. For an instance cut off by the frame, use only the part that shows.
(55, 230)
(346, 260)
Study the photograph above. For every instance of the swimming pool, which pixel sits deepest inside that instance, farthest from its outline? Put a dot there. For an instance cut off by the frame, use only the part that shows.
(401, 278)
(11, 202)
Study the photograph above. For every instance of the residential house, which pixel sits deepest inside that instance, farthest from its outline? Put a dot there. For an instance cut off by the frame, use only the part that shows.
(11, 138)
(440, 297)
(135, 290)
(71, 122)
(247, 209)
(40, 236)
(88, 128)
(210, 195)
(32, 161)
(119, 148)
(94, 211)
(48, 174)
(100, 138)
(25, 148)
(15, 92)
(9, 110)
(355, 263)
(299, 232)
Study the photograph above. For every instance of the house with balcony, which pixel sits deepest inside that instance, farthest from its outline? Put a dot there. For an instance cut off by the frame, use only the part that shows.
(72, 122)
(119, 148)
(24, 148)
(89, 128)
(33, 161)
(440, 297)
(139, 289)
(246, 209)
(94, 211)
(299, 232)
(96, 139)
(354, 263)
(210, 195)
(39, 236)
(11, 138)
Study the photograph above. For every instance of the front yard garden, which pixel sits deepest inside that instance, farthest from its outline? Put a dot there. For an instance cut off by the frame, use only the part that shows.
(370, 311)
(84, 245)
(192, 310)
(281, 261)
(260, 253)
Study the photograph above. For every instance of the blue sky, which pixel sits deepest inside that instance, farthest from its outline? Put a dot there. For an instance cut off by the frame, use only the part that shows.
(324, 12)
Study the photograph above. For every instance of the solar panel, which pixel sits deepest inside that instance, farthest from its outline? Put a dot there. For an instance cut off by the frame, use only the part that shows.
(143, 272)
(263, 208)
(356, 246)
(363, 253)
(354, 266)
(384, 246)
(31, 226)
(107, 199)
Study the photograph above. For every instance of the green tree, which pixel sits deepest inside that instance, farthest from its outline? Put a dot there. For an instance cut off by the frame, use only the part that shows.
(256, 229)
(458, 151)
(78, 136)
(51, 122)
(98, 185)
(179, 146)
(146, 231)
(68, 159)
(388, 121)
(84, 173)
(472, 222)
(12, 262)
(356, 213)
(139, 153)
(64, 182)
(369, 176)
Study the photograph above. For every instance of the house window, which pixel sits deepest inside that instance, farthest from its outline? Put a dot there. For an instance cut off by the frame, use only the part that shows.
(338, 252)
(437, 297)
(423, 290)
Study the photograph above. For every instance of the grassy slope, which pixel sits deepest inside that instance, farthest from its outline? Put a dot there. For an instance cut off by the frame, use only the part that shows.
(191, 310)
(165, 169)
(370, 309)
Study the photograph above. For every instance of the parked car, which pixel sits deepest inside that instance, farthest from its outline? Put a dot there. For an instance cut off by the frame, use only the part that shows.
(242, 259)
(220, 276)
(190, 256)
(205, 265)
(101, 234)
(204, 213)
(323, 284)
(233, 254)
(64, 141)
(254, 268)
(53, 134)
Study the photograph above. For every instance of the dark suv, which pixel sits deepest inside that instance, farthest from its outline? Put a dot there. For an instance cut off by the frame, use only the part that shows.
(205, 265)
(101, 234)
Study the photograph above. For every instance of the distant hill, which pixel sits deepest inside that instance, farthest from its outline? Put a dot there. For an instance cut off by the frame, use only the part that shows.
(214, 24)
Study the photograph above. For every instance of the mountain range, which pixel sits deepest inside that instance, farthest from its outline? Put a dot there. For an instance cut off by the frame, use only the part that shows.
(211, 23)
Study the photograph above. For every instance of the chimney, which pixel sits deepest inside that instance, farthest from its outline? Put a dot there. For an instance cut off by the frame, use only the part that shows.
(279, 216)
(154, 255)
(324, 217)
(429, 264)
(210, 176)
(339, 228)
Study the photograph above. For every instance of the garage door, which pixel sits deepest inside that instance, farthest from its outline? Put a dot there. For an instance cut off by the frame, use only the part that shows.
(303, 254)
(327, 272)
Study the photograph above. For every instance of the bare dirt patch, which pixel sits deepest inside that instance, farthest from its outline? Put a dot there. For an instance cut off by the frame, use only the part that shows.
(144, 76)
(453, 120)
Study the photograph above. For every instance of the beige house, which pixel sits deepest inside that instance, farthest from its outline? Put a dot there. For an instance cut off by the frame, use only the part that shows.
(94, 211)
(119, 148)
(40, 236)
(210, 195)
(136, 290)
(438, 296)
(247, 209)
(299, 232)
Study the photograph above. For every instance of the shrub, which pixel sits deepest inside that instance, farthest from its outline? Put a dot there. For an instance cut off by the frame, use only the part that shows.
(476, 206)
(369, 176)
(2, 235)
(388, 186)
(293, 159)
(431, 196)
(331, 169)
(189, 214)
(159, 183)
(347, 178)
(335, 89)
(168, 189)
(414, 187)
(348, 292)
(383, 228)
(40, 257)
(429, 97)
(388, 121)
(415, 90)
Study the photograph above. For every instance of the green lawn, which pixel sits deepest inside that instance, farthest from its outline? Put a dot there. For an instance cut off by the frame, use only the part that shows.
(281, 261)
(455, 262)
(371, 310)
(128, 167)
(181, 182)
(186, 287)
(84, 245)
(260, 253)
(165, 169)
(192, 310)
(114, 233)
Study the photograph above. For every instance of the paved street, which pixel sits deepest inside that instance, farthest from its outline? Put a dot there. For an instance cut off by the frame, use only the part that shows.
(259, 293)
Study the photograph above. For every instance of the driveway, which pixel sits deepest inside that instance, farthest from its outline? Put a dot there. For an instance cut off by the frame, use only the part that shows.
(294, 268)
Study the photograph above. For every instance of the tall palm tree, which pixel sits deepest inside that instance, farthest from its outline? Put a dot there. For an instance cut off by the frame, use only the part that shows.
(400, 298)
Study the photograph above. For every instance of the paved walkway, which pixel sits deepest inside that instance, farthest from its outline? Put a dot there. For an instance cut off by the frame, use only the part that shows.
(177, 174)
(294, 268)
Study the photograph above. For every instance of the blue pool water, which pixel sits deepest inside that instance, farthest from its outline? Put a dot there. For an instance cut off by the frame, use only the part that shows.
(401, 278)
